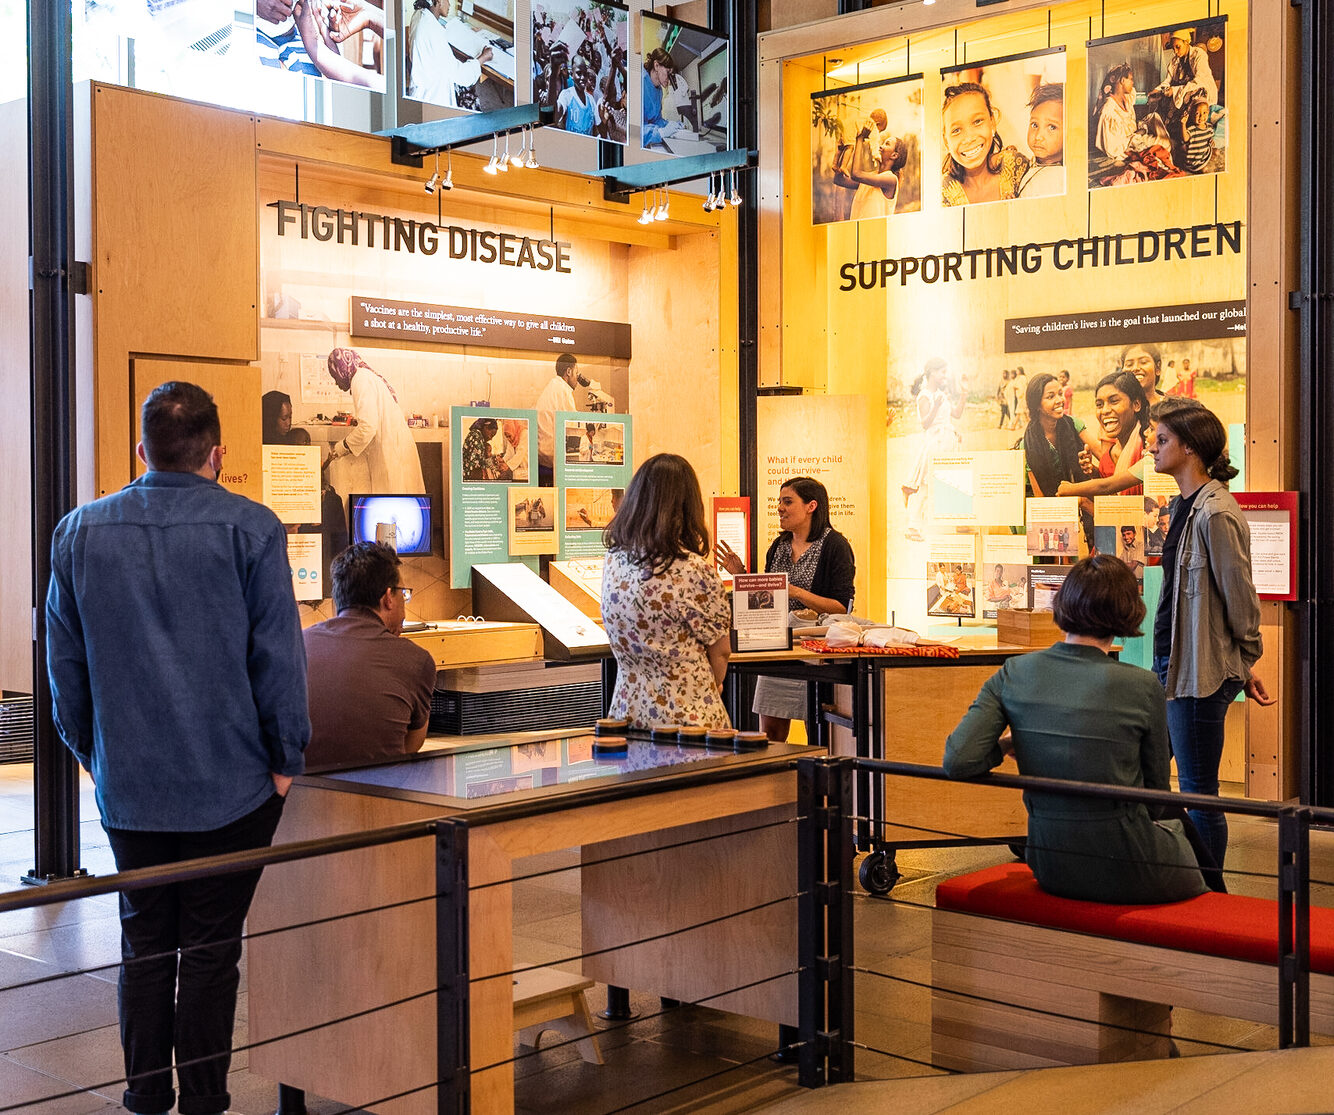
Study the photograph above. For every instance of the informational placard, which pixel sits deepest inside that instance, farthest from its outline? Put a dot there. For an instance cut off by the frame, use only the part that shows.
(305, 554)
(951, 575)
(760, 612)
(1119, 528)
(1272, 517)
(823, 437)
(1003, 577)
(731, 524)
(1053, 527)
(1191, 321)
(489, 451)
(469, 325)
(292, 482)
(1043, 583)
(593, 466)
(532, 520)
(978, 489)
(514, 592)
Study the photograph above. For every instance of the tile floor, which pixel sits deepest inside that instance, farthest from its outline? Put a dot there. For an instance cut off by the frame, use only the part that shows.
(60, 1054)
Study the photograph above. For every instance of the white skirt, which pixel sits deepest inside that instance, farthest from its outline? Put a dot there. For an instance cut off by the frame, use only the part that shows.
(784, 698)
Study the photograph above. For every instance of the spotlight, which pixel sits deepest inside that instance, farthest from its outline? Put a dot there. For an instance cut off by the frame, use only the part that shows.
(517, 160)
(434, 180)
(448, 183)
(662, 211)
(531, 161)
(710, 202)
(735, 199)
(492, 163)
(504, 164)
(645, 218)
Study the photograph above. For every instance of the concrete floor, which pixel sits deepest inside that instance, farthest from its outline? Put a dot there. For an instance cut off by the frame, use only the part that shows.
(60, 1036)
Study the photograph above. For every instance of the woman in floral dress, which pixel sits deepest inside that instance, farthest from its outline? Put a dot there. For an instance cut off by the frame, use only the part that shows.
(663, 604)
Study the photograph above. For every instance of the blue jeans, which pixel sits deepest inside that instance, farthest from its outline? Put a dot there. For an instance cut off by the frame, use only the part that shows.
(1195, 726)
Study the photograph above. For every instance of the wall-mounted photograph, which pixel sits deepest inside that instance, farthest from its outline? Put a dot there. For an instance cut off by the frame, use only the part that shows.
(684, 103)
(339, 40)
(1003, 129)
(459, 53)
(866, 151)
(1157, 103)
(597, 443)
(579, 66)
(591, 508)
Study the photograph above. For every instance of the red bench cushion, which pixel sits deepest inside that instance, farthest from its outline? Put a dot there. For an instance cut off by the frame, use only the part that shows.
(1229, 925)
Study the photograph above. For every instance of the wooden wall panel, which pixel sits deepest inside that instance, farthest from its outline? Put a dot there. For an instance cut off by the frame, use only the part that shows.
(176, 253)
(15, 400)
(235, 390)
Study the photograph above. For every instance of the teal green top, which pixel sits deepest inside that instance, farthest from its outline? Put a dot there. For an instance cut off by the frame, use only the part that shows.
(1076, 713)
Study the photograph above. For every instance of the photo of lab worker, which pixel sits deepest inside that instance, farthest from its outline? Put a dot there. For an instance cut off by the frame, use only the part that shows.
(459, 57)
(379, 437)
(684, 87)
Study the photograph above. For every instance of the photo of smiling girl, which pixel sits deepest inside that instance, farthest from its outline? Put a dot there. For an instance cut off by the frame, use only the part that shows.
(1121, 409)
(1003, 129)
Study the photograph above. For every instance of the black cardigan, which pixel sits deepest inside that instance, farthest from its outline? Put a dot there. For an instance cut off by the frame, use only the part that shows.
(834, 572)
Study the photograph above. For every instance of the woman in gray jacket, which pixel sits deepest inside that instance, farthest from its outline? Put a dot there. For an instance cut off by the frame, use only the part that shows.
(1206, 635)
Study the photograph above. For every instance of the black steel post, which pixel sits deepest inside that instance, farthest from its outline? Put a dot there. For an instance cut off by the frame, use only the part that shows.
(739, 19)
(1315, 303)
(291, 1101)
(1294, 927)
(50, 227)
(839, 942)
(452, 1007)
(618, 1005)
(811, 836)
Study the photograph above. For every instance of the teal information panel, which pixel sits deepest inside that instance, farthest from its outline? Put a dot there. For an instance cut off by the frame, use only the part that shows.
(593, 466)
(492, 457)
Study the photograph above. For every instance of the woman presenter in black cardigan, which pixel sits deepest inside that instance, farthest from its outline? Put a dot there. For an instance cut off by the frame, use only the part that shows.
(820, 569)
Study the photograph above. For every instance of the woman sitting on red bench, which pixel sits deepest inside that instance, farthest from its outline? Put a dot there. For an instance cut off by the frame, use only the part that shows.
(1076, 713)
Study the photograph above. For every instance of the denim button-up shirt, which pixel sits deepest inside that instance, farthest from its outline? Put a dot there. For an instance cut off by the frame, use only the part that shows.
(178, 672)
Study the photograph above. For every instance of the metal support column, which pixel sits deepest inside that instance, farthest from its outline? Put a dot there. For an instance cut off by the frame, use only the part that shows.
(452, 1009)
(1294, 927)
(1315, 303)
(50, 228)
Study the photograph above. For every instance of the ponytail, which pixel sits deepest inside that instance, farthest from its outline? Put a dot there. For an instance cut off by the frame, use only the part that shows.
(1222, 468)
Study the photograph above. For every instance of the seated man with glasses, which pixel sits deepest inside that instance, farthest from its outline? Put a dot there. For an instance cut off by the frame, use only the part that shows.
(370, 690)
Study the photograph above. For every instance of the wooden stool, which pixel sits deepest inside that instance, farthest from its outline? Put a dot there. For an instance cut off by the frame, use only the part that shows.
(549, 999)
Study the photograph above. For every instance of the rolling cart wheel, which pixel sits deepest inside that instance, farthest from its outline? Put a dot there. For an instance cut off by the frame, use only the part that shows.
(878, 873)
(1017, 850)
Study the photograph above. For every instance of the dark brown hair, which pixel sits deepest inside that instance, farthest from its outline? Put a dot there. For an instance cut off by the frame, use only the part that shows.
(661, 516)
(1199, 429)
(807, 490)
(179, 427)
(362, 574)
(1099, 598)
(949, 167)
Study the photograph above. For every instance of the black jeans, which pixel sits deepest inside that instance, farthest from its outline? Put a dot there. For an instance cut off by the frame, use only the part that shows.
(188, 1005)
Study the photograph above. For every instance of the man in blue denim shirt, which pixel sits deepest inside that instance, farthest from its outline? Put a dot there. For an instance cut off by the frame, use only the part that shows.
(178, 676)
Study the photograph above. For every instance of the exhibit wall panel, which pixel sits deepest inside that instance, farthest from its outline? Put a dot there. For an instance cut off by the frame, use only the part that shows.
(175, 247)
(16, 400)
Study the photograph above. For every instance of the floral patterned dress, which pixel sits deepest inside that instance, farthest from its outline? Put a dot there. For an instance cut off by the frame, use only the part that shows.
(659, 628)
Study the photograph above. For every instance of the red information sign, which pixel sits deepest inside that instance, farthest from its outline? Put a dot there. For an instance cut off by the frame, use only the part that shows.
(731, 524)
(1272, 517)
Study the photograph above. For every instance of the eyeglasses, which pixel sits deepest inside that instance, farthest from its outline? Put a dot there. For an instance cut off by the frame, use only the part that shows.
(406, 592)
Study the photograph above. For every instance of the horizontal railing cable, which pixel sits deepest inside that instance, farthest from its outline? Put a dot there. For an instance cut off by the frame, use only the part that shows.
(638, 941)
(903, 1057)
(992, 1001)
(546, 872)
(641, 1019)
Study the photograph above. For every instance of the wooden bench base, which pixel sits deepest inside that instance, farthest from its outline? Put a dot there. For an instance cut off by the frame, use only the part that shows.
(549, 999)
(1007, 995)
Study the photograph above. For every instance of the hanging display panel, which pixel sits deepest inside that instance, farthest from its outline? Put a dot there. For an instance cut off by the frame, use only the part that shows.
(685, 102)
(580, 50)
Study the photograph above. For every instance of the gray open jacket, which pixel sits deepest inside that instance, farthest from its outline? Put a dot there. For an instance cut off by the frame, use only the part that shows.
(1215, 613)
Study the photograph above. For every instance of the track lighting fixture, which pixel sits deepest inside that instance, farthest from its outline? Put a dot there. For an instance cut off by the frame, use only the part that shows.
(517, 160)
(531, 161)
(646, 217)
(491, 165)
(504, 164)
(448, 183)
(710, 202)
(662, 211)
(434, 180)
(735, 199)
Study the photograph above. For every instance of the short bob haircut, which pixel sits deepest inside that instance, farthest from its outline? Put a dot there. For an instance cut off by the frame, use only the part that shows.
(1099, 599)
(807, 490)
(179, 427)
(661, 516)
(362, 574)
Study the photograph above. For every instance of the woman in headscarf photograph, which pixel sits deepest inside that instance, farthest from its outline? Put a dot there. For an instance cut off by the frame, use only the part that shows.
(380, 437)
